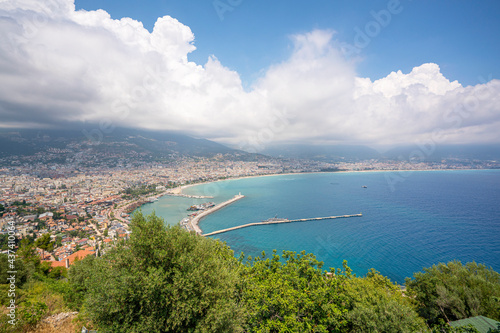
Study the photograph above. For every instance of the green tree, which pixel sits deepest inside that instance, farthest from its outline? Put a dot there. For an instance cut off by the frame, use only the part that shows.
(4, 242)
(44, 243)
(58, 273)
(164, 280)
(27, 253)
(291, 294)
(22, 272)
(78, 275)
(375, 304)
(58, 241)
(454, 291)
(41, 224)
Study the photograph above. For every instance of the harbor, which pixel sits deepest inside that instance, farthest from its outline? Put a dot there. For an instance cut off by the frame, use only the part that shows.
(276, 221)
(192, 224)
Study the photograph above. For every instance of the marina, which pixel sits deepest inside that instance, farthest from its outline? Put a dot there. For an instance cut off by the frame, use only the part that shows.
(202, 206)
(193, 223)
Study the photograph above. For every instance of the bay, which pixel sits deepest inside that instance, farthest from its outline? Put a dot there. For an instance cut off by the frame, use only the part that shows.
(410, 219)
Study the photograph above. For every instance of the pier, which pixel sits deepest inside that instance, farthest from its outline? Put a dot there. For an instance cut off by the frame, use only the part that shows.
(281, 221)
(194, 221)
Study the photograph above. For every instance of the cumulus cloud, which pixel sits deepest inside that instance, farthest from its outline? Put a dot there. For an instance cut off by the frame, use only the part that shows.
(59, 66)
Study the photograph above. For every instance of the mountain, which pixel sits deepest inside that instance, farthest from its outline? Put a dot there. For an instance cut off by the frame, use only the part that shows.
(120, 144)
(354, 153)
(324, 153)
(436, 153)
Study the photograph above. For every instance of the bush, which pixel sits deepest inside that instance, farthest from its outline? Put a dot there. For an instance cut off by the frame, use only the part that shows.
(377, 305)
(453, 291)
(32, 312)
(291, 294)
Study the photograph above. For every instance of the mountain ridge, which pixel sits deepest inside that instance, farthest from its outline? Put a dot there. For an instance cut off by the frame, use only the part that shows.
(64, 146)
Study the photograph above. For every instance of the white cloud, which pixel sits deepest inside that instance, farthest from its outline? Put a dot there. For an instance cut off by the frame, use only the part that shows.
(58, 65)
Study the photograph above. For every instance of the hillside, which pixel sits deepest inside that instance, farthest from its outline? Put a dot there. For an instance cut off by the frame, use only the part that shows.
(121, 146)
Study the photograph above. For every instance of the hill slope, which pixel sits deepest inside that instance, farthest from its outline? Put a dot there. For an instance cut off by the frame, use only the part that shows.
(119, 146)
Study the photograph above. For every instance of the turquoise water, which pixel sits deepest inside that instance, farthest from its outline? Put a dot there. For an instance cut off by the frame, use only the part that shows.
(410, 220)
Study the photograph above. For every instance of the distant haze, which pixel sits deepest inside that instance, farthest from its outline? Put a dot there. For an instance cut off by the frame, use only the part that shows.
(353, 153)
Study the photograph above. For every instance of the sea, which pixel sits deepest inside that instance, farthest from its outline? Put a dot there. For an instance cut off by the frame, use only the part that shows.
(411, 219)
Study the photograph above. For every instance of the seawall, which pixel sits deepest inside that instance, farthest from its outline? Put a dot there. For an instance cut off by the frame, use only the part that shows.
(194, 221)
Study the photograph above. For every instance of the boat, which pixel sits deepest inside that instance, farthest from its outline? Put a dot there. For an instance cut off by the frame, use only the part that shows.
(364, 186)
(202, 206)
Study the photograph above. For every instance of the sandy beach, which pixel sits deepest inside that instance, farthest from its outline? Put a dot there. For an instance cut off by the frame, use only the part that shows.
(178, 189)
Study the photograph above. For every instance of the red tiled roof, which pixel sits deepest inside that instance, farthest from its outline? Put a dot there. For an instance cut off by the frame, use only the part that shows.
(61, 263)
(79, 255)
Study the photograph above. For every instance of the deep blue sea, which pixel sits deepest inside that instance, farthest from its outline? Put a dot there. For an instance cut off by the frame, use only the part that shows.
(410, 219)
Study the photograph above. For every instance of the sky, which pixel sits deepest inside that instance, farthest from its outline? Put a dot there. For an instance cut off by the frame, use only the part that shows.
(252, 73)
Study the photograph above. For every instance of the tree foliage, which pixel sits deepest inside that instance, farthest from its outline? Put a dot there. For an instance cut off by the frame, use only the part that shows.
(291, 294)
(164, 280)
(375, 304)
(44, 242)
(454, 291)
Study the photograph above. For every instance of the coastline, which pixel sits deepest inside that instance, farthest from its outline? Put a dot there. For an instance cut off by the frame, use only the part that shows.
(178, 191)
(319, 240)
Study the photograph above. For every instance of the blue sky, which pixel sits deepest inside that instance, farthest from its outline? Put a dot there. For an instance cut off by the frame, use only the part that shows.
(462, 37)
(263, 72)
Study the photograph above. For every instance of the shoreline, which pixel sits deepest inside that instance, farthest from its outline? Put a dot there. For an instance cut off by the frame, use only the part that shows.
(177, 191)
(352, 177)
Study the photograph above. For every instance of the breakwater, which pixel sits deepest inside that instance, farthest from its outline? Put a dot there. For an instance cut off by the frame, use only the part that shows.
(194, 221)
(275, 221)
